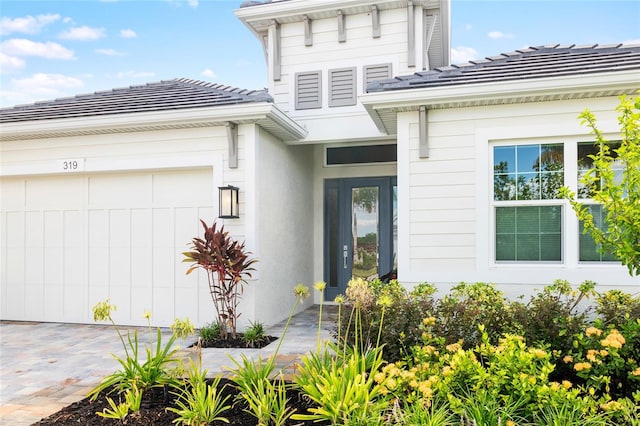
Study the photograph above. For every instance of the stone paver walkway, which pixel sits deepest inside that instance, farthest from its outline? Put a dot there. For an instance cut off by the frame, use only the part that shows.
(47, 366)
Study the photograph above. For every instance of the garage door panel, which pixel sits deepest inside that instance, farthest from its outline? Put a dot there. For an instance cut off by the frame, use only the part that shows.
(98, 228)
(75, 303)
(119, 228)
(73, 241)
(163, 265)
(12, 194)
(73, 228)
(119, 190)
(74, 266)
(163, 306)
(162, 225)
(121, 297)
(141, 231)
(53, 232)
(34, 266)
(141, 265)
(98, 267)
(53, 261)
(184, 302)
(55, 192)
(15, 236)
(34, 297)
(187, 225)
(33, 229)
(119, 267)
(184, 188)
(142, 301)
(54, 305)
(16, 297)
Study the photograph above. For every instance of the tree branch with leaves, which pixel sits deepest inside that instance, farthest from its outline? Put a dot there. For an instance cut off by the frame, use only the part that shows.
(619, 194)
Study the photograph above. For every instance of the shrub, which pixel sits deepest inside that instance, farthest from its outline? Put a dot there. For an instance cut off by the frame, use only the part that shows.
(402, 322)
(553, 315)
(210, 331)
(466, 307)
(616, 307)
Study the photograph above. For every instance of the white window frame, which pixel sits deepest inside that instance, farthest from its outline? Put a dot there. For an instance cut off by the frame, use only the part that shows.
(526, 203)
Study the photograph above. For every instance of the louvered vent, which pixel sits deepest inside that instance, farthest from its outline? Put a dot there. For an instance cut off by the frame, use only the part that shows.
(342, 87)
(308, 90)
(376, 72)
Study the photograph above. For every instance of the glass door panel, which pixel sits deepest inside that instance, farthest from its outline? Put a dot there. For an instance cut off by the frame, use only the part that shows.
(364, 232)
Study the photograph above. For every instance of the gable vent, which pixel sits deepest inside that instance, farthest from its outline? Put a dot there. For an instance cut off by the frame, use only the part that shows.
(308, 90)
(376, 72)
(342, 87)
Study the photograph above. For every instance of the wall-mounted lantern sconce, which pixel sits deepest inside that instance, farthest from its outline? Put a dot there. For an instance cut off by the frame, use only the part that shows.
(229, 206)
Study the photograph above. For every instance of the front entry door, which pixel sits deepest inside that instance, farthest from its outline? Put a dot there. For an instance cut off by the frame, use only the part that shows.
(360, 230)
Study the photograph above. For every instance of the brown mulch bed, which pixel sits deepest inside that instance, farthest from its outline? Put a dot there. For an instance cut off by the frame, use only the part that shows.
(153, 410)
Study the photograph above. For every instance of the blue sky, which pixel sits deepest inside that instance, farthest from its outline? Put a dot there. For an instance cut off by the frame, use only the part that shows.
(51, 49)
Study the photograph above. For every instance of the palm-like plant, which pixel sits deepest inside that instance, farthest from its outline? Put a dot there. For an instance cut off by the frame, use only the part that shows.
(227, 265)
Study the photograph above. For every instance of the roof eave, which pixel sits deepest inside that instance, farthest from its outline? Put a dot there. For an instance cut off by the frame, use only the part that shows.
(380, 104)
(265, 114)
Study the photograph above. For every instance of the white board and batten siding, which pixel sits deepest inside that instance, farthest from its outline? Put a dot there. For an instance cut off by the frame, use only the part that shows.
(338, 120)
(446, 228)
(113, 226)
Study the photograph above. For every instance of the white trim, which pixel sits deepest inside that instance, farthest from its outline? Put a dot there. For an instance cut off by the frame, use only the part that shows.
(157, 120)
(99, 165)
(403, 180)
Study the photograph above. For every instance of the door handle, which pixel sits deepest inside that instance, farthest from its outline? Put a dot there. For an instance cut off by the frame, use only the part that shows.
(345, 256)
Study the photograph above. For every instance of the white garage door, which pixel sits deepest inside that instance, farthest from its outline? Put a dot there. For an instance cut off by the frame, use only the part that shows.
(71, 241)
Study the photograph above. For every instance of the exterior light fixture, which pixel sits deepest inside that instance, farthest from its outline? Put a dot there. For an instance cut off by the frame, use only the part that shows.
(229, 206)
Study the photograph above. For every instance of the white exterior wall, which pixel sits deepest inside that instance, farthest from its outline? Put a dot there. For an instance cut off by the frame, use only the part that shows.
(343, 123)
(446, 222)
(116, 228)
(284, 226)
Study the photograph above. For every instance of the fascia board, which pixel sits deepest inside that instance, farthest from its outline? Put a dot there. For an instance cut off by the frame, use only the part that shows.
(157, 119)
(495, 92)
(292, 8)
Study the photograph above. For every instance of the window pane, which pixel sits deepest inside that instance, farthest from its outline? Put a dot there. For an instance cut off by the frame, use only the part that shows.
(532, 233)
(539, 172)
(589, 250)
(504, 159)
(585, 162)
(527, 157)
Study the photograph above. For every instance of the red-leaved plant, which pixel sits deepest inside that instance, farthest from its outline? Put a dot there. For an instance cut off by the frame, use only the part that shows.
(227, 266)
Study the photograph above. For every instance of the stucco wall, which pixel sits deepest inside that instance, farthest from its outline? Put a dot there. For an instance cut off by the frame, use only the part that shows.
(284, 225)
(445, 213)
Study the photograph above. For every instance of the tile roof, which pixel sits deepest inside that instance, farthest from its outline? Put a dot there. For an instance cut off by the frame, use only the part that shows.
(530, 63)
(164, 95)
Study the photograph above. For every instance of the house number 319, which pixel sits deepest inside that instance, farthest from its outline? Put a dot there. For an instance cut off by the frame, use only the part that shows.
(71, 165)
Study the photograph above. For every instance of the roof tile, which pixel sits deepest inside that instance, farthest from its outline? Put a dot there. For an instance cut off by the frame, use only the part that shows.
(529, 63)
(164, 95)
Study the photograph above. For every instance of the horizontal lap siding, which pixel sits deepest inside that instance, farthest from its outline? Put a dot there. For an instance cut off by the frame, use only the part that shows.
(442, 197)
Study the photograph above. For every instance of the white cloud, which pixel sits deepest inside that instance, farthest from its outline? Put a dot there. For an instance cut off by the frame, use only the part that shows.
(27, 24)
(82, 33)
(499, 34)
(24, 47)
(10, 64)
(110, 52)
(40, 87)
(192, 3)
(209, 73)
(128, 33)
(462, 54)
